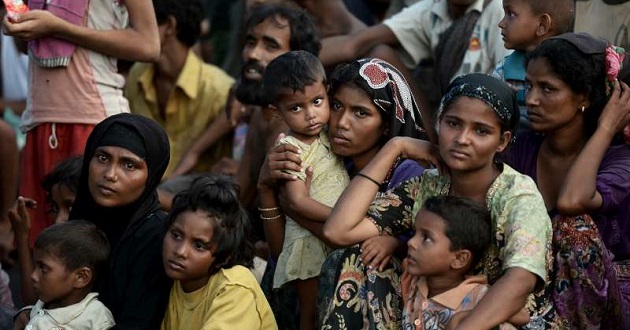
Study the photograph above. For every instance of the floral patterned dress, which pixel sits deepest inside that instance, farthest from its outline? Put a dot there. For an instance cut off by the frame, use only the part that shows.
(352, 296)
(521, 238)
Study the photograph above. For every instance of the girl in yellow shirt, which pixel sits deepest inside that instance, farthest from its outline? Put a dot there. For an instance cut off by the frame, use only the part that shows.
(207, 252)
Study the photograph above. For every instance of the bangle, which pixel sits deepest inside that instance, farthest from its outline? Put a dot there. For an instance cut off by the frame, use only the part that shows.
(367, 177)
(269, 209)
(271, 218)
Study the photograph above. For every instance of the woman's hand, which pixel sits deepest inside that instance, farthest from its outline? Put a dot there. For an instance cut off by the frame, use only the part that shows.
(424, 152)
(280, 158)
(377, 251)
(616, 114)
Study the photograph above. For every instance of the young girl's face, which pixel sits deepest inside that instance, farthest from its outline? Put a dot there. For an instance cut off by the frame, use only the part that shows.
(356, 126)
(187, 252)
(470, 135)
(305, 112)
(61, 199)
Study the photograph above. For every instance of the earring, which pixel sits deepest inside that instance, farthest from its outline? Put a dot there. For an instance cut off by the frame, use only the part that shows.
(582, 108)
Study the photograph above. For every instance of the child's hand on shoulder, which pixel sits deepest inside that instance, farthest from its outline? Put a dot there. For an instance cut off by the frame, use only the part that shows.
(18, 215)
(377, 251)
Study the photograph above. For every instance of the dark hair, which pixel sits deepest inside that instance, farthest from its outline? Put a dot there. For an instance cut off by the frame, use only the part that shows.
(187, 13)
(218, 196)
(291, 71)
(583, 73)
(303, 33)
(66, 173)
(467, 223)
(562, 13)
(76, 243)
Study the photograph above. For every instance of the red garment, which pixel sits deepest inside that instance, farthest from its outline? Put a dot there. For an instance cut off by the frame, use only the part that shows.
(47, 145)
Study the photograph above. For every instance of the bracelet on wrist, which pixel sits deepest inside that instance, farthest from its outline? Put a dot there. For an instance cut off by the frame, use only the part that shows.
(369, 178)
(278, 216)
(268, 209)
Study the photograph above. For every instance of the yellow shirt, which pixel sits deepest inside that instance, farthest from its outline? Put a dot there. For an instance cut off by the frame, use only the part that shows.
(197, 99)
(232, 299)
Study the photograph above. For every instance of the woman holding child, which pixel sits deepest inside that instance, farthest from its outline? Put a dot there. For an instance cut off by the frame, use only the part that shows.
(576, 109)
(124, 160)
(370, 104)
(476, 121)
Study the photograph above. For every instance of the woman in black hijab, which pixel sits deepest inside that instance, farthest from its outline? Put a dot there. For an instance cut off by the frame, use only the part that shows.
(124, 160)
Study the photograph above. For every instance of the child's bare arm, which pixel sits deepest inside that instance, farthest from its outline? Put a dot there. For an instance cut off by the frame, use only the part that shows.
(139, 42)
(21, 222)
(301, 203)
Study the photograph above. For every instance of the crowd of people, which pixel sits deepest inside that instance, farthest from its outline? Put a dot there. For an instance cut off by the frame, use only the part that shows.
(422, 164)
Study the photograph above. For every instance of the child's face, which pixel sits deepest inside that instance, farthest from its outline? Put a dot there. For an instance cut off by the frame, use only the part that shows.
(518, 26)
(429, 250)
(53, 283)
(61, 199)
(306, 113)
(187, 252)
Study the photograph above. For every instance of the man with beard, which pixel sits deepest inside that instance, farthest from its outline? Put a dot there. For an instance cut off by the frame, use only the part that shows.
(271, 32)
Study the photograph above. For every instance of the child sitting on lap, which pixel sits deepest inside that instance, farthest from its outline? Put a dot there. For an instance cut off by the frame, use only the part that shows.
(452, 234)
(68, 258)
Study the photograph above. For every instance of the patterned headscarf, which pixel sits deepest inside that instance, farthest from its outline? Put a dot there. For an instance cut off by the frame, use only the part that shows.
(494, 92)
(391, 93)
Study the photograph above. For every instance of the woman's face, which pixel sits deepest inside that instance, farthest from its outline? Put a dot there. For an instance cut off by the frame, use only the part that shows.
(470, 135)
(356, 126)
(551, 104)
(117, 176)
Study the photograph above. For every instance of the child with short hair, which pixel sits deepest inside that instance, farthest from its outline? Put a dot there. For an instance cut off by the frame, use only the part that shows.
(69, 257)
(525, 25)
(452, 235)
(61, 187)
(295, 84)
(208, 253)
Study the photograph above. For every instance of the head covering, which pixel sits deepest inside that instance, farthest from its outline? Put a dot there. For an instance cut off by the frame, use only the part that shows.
(125, 137)
(590, 45)
(617, 61)
(114, 221)
(494, 92)
(393, 96)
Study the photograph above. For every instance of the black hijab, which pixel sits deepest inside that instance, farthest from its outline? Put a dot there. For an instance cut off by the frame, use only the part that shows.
(115, 221)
